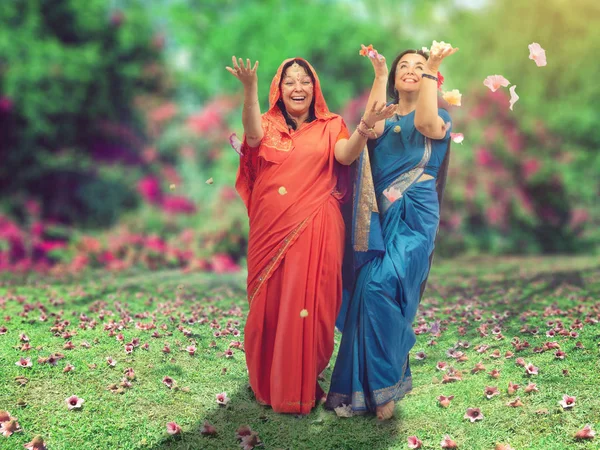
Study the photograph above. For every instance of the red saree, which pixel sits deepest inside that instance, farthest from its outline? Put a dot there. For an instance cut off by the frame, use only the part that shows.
(292, 187)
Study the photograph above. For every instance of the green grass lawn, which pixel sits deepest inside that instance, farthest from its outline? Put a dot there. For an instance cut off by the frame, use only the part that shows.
(519, 295)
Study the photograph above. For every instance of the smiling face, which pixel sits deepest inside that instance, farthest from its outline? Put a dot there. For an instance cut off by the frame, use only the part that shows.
(409, 71)
(297, 91)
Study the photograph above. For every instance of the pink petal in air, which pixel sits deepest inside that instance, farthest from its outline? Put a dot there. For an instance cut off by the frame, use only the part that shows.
(494, 82)
(236, 144)
(513, 96)
(537, 53)
(457, 138)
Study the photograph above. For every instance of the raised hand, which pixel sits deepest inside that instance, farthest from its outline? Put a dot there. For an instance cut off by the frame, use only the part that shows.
(437, 55)
(377, 60)
(377, 113)
(246, 74)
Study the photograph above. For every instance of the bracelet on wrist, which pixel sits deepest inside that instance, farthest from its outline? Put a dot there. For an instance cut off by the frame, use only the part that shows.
(431, 77)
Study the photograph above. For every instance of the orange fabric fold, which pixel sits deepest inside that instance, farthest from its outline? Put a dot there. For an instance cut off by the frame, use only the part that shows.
(292, 187)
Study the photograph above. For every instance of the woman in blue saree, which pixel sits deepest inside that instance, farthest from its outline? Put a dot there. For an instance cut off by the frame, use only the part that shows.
(395, 218)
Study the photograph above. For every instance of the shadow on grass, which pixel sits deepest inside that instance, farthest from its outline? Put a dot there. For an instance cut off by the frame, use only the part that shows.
(320, 429)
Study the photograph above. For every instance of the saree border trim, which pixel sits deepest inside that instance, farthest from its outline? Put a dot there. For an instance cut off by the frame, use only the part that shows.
(400, 185)
(275, 260)
(366, 205)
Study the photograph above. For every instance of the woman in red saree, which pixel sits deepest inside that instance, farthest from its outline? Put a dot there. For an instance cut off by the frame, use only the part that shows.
(292, 179)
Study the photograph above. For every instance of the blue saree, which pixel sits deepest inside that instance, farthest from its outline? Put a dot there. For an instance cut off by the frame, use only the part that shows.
(394, 222)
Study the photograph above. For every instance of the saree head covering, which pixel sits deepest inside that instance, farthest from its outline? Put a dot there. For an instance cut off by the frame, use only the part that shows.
(292, 187)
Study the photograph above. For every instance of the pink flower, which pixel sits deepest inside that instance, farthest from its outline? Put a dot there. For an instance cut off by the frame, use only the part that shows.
(74, 402)
(457, 138)
(222, 399)
(530, 369)
(9, 427)
(441, 365)
(445, 401)
(567, 401)
(531, 387)
(585, 433)
(513, 96)
(128, 348)
(191, 349)
(447, 442)
(494, 82)
(515, 403)
(414, 442)
(24, 362)
(6, 104)
(420, 356)
(560, 354)
(111, 362)
(149, 188)
(178, 204)
(173, 428)
(207, 429)
(168, 382)
(68, 368)
(223, 263)
(512, 388)
(37, 443)
(491, 391)
(537, 53)
(473, 414)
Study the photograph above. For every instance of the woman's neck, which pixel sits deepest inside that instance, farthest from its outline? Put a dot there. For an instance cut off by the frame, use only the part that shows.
(407, 103)
(299, 119)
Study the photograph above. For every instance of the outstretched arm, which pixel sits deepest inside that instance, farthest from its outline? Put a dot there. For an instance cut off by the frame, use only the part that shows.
(427, 120)
(251, 119)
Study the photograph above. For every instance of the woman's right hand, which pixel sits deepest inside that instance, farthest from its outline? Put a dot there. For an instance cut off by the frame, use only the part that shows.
(375, 114)
(246, 74)
(377, 60)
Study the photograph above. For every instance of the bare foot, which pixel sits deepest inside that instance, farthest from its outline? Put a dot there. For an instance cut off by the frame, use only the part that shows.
(386, 411)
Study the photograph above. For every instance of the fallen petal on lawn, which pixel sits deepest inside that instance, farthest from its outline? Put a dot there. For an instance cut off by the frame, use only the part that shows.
(37, 443)
(414, 442)
(173, 428)
(74, 402)
(567, 402)
(10, 427)
(222, 399)
(343, 411)
(515, 403)
(585, 433)
(447, 442)
(207, 429)
(473, 414)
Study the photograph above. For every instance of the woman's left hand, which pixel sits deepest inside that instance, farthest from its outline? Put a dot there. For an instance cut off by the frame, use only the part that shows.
(436, 56)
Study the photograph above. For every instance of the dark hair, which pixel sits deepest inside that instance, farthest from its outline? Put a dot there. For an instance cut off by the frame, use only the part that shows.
(291, 123)
(391, 84)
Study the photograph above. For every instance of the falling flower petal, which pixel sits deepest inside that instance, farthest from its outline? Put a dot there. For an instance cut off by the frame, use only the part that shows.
(236, 144)
(513, 96)
(210, 181)
(453, 97)
(457, 138)
(537, 53)
(494, 82)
